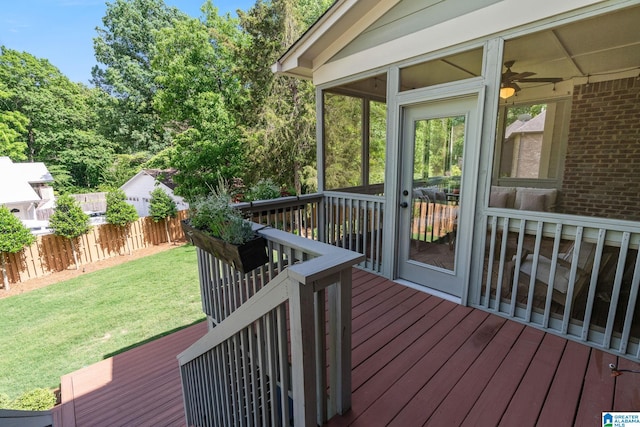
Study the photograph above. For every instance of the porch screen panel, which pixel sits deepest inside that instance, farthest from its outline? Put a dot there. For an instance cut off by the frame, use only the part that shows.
(343, 141)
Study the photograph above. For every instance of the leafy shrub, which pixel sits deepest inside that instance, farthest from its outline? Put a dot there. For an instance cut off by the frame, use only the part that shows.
(5, 402)
(38, 399)
(265, 189)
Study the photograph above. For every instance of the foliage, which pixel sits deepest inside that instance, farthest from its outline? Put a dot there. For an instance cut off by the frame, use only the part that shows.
(215, 215)
(68, 220)
(58, 115)
(264, 189)
(5, 401)
(197, 97)
(49, 332)
(280, 112)
(13, 129)
(124, 48)
(38, 399)
(14, 236)
(119, 212)
(161, 205)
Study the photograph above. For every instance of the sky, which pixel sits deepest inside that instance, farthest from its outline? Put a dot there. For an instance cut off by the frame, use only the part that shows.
(62, 31)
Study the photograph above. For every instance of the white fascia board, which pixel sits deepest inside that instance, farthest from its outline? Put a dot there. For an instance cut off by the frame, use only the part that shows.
(496, 18)
(293, 61)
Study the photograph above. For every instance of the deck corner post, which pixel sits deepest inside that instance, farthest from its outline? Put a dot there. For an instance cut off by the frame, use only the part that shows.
(303, 353)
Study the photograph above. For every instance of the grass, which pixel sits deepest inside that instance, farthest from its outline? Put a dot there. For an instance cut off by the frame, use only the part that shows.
(52, 331)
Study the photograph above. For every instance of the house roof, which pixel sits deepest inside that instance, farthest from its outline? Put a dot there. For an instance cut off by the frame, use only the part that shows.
(534, 125)
(164, 176)
(21, 176)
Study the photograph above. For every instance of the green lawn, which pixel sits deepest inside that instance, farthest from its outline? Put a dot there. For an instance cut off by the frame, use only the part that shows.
(61, 328)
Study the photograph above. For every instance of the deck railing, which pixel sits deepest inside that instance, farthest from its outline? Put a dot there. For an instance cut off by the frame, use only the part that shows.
(349, 220)
(576, 277)
(280, 353)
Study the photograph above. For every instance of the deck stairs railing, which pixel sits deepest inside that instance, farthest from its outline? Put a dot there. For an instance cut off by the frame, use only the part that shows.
(278, 352)
(576, 277)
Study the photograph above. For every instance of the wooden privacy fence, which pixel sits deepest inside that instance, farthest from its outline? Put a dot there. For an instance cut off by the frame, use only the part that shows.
(51, 253)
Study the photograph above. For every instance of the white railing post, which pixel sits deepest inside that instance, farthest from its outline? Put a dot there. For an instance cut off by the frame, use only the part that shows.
(303, 353)
(340, 342)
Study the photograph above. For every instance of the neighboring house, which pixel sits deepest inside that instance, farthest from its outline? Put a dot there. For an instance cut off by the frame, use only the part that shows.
(522, 147)
(25, 191)
(138, 189)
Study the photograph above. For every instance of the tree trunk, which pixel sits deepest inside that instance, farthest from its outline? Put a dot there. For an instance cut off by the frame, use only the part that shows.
(5, 276)
(166, 229)
(73, 251)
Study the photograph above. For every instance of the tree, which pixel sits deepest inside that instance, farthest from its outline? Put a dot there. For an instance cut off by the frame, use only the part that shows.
(162, 207)
(120, 213)
(197, 98)
(280, 114)
(69, 221)
(13, 128)
(54, 116)
(14, 236)
(124, 49)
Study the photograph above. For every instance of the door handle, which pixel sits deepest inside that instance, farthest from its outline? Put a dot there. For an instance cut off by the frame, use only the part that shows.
(404, 205)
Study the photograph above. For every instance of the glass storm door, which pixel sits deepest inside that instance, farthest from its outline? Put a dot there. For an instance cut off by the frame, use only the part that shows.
(436, 136)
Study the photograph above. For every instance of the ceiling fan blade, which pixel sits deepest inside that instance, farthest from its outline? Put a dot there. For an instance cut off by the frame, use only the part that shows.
(524, 75)
(541, 80)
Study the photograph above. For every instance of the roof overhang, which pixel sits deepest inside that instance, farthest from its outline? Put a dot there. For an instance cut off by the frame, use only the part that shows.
(335, 29)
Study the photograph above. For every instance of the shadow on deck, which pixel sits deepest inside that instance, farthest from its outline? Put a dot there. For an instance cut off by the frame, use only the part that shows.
(417, 360)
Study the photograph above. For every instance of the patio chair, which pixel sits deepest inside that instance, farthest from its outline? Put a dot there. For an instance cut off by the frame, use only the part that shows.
(563, 270)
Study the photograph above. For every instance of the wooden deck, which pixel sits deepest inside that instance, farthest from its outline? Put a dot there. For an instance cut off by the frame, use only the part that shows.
(417, 360)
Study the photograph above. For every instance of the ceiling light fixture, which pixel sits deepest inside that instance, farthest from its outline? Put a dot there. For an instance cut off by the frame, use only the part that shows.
(507, 91)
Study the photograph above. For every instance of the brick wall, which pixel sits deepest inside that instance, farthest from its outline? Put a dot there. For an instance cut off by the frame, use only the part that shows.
(602, 165)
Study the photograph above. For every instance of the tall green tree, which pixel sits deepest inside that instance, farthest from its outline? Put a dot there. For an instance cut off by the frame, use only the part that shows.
(69, 221)
(57, 114)
(197, 98)
(14, 236)
(13, 129)
(161, 208)
(120, 213)
(280, 114)
(124, 49)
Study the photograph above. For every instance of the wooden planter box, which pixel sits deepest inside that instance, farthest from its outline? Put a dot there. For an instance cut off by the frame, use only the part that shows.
(244, 258)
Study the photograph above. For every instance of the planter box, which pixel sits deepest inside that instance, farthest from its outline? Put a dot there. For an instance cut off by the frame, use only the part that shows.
(244, 258)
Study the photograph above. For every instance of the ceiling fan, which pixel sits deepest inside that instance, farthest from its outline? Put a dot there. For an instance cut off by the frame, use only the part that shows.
(509, 82)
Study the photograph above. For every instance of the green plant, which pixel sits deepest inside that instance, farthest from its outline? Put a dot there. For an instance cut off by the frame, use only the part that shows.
(215, 215)
(14, 236)
(265, 189)
(5, 401)
(38, 399)
(69, 221)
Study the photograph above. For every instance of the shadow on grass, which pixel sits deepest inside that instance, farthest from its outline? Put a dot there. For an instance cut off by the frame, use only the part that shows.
(153, 338)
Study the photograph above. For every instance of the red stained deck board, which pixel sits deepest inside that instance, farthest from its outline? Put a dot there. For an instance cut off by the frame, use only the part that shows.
(527, 401)
(407, 386)
(459, 401)
(372, 355)
(441, 323)
(627, 389)
(562, 400)
(445, 377)
(491, 405)
(598, 389)
(375, 320)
